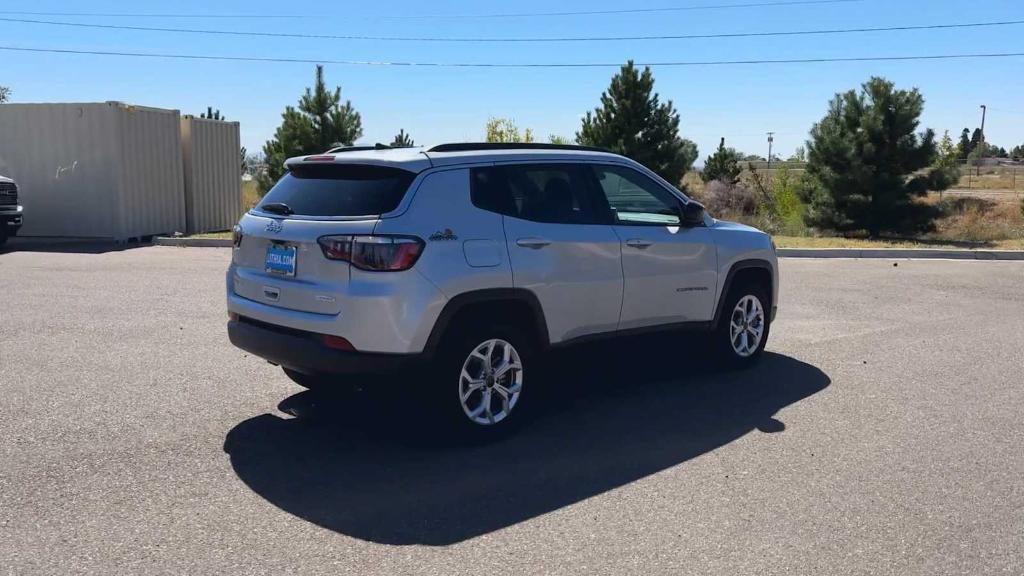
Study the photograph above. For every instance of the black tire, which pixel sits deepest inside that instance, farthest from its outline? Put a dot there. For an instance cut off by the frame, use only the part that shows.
(725, 352)
(309, 381)
(445, 389)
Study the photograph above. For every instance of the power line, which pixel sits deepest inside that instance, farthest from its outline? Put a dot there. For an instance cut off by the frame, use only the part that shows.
(450, 16)
(152, 15)
(517, 40)
(209, 57)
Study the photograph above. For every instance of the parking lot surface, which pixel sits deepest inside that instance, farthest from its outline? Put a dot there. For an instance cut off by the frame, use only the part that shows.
(882, 434)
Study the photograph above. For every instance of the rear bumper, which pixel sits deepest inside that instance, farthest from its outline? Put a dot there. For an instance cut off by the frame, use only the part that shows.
(10, 219)
(304, 352)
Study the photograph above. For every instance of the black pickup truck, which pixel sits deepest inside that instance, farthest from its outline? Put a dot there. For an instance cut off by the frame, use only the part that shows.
(10, 211)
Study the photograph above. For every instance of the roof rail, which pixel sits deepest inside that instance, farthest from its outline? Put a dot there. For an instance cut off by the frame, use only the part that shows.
(339, 149)
(474, 146)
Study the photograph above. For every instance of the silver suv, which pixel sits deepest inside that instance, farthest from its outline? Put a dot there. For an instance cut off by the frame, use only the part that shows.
(469, 261)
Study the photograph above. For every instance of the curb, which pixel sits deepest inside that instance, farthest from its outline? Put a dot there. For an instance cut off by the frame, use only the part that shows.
(192, 242)
(901, 253)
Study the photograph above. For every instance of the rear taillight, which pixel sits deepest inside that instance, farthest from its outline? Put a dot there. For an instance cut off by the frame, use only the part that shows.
(236, 235)
(379, 253)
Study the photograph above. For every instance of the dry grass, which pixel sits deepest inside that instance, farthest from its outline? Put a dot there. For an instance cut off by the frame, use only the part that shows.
(692, 183)
(213, 235)
(250, 195)
(835, 242)
(972, 219)
(991, 178)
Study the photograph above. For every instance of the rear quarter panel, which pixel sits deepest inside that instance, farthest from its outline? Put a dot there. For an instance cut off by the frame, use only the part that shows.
(465, 246)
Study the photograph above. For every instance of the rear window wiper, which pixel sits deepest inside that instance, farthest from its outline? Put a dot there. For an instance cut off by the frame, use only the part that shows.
(277, 208)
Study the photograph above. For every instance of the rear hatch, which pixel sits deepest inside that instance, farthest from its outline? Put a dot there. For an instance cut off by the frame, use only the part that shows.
(278, 260)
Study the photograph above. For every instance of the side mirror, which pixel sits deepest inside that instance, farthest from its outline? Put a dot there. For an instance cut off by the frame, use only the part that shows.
(692, 214)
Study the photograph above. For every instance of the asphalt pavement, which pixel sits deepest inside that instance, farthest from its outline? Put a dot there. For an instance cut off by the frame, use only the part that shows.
(882, 434)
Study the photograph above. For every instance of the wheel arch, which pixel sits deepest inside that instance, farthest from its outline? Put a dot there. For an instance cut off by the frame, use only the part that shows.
(754, 269)
(522, 306)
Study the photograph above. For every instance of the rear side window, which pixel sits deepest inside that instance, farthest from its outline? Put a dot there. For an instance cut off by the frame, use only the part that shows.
(554, 193)
(340, 190)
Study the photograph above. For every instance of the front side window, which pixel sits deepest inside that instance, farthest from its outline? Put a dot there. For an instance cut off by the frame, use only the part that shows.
(553, 193)
(635, 198)
(338, 190)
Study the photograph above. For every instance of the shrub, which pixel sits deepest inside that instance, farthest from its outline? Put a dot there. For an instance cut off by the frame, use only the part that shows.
(729, 200)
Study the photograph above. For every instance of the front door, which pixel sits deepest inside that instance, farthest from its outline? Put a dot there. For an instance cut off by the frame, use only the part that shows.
(669, 270)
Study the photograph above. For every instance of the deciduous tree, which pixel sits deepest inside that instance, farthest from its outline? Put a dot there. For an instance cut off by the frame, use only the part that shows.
(505, 130)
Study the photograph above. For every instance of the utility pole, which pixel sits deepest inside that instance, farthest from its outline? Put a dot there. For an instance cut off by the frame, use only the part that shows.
(983, 110)
(982, 139)
(771, 138)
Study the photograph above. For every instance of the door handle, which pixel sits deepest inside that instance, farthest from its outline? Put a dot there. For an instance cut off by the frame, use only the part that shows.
(534, 243)
(638, 243)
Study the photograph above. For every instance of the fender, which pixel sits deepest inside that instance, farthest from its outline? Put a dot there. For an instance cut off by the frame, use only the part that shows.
(492, 295)
(727, 285)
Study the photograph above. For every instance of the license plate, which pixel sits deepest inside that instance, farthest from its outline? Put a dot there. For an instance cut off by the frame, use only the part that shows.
(281, 259)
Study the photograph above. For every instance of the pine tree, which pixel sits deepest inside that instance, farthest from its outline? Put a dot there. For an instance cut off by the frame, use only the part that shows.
(723, 165)
(210, 114)
(633, 122)
(319, 123)
(5, 94)
(402, 140)
(863, 156)
(976, 141)
(964, 147)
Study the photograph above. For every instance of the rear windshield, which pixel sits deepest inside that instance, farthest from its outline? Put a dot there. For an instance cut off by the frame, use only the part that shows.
(340, 190)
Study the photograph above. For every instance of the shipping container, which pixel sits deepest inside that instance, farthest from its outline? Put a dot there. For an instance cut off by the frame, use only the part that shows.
(213, 175)
(99, 170)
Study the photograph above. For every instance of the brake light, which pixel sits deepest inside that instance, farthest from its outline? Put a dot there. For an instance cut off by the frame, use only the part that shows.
(325, 158)
(378, 253)
(236, 235)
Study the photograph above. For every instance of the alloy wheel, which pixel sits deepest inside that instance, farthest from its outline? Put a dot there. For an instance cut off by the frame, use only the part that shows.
(491, 382)
(746, 326)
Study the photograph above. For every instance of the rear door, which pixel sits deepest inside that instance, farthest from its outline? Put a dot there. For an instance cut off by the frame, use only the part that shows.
(560, 244)
(279, 261)
(669, 270)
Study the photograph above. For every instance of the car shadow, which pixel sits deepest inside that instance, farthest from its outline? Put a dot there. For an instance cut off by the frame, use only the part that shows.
(67, 245)
(355, 465)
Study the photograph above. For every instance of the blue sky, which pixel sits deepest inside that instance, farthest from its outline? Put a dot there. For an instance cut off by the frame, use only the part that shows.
(435, 105)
